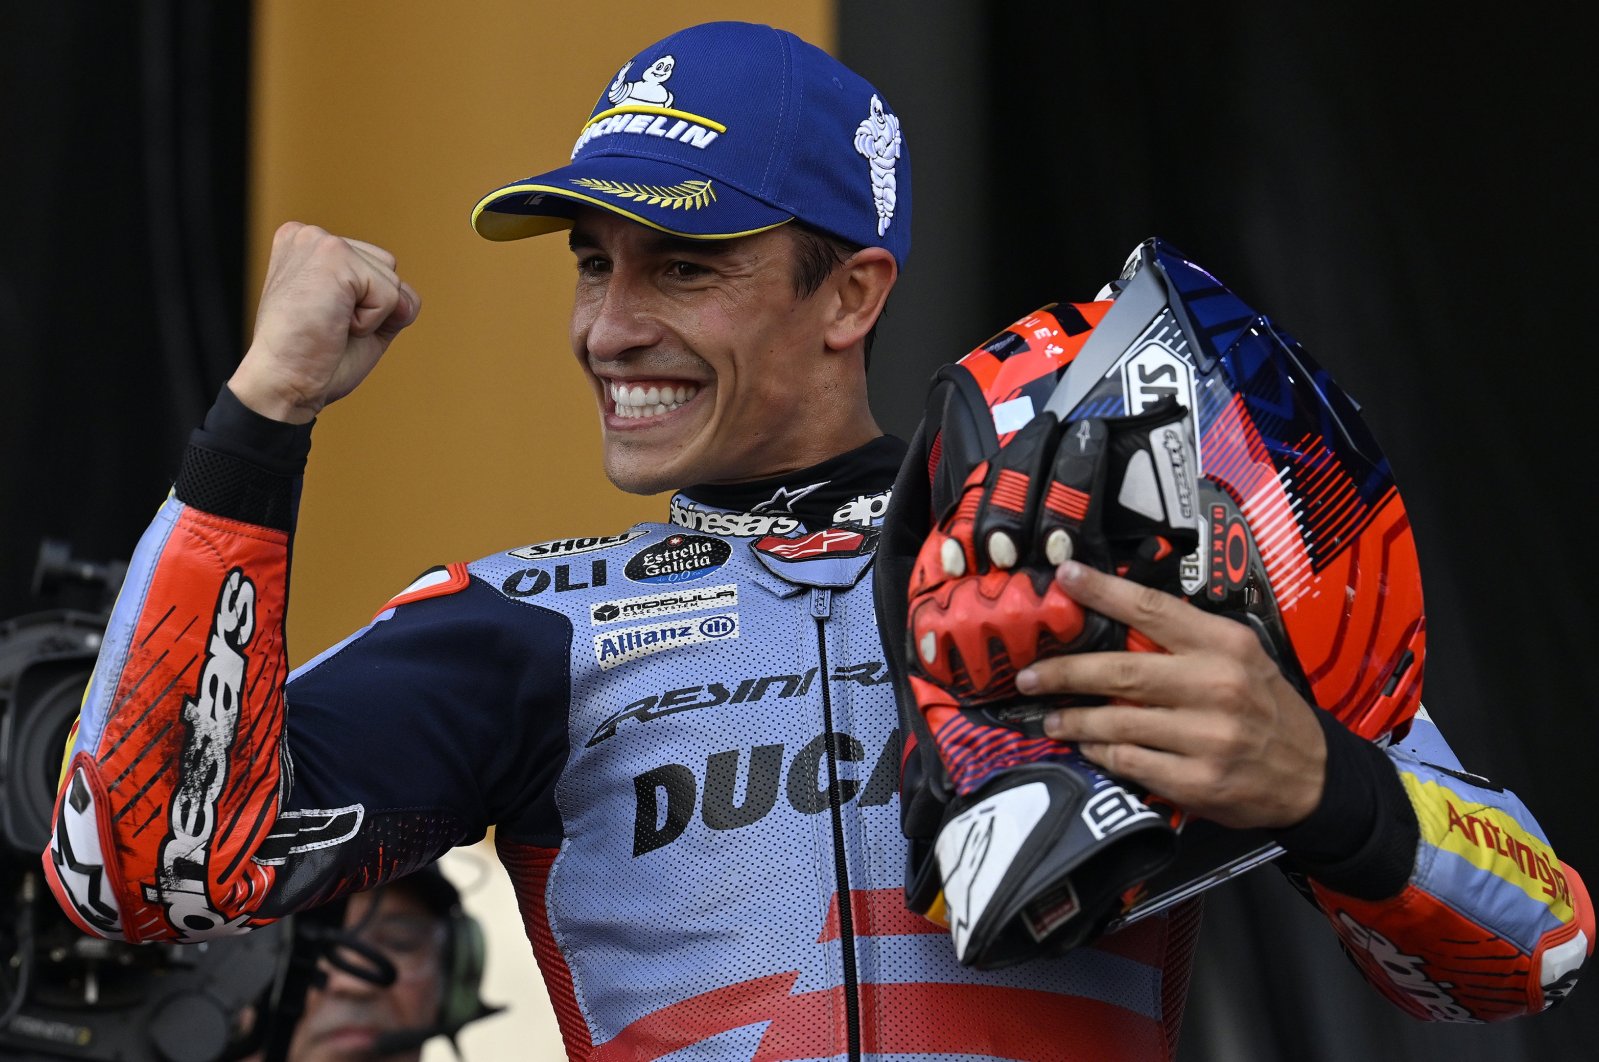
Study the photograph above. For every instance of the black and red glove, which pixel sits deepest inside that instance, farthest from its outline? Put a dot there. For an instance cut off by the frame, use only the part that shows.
(1018, 843)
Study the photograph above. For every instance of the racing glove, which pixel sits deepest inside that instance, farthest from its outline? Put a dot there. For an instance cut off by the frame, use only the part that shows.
(1018, 844)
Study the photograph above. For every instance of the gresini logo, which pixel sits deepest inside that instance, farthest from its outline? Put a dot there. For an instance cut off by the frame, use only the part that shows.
(677, 559)
(563, 547)
(740, 525)
(664, 604)
(210, 720)
(619, 647)
(745, 691)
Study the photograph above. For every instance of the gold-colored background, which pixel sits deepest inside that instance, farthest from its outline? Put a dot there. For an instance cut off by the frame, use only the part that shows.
(386, 120)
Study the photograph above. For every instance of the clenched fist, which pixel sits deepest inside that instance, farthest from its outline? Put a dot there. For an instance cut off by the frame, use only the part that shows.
(329, 309)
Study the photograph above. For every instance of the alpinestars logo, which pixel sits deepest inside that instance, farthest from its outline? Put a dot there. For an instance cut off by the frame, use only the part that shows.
(741, 525)
(1408, 973)
(210, 720)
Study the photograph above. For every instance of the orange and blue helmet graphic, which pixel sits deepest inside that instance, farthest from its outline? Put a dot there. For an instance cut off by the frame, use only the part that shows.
(1302, 530)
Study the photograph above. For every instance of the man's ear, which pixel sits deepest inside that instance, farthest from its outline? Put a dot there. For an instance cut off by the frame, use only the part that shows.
(862, 285)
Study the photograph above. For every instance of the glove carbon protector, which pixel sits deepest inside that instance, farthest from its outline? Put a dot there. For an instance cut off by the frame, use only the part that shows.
(1020, 845)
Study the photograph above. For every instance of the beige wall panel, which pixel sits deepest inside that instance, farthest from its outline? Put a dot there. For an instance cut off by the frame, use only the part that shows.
(386, 120)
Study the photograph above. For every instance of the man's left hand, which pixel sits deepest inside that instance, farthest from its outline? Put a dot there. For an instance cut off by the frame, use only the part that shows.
(1211, 724)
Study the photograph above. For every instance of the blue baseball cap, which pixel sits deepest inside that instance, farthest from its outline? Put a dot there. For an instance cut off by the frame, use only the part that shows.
(723, 130)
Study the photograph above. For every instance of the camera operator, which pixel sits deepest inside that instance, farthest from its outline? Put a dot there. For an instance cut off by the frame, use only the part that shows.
(416, 929)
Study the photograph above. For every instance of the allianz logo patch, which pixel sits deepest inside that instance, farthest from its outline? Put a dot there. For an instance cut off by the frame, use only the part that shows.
(632, 643)
(667, 604)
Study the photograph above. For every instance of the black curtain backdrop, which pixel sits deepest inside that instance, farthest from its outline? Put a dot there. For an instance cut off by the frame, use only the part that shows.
(124, 132)
(1407, 189)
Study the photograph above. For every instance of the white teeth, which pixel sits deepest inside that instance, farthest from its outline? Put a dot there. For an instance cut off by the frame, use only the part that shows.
(632, 401)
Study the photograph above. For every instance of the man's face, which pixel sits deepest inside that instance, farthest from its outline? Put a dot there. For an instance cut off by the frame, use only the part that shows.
(343, 1019)
(704, 359)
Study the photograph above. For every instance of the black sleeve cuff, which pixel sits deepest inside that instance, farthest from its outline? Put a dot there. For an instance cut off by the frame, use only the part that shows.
(1361, 839)
(244, 466)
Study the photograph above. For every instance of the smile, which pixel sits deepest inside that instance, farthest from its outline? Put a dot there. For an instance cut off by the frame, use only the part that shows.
(649, 400)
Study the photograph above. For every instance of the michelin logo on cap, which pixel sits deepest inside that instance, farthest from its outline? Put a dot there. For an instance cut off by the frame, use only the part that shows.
(644, 107)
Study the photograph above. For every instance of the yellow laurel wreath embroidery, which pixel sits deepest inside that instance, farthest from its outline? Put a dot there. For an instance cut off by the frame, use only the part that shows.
(690, 195)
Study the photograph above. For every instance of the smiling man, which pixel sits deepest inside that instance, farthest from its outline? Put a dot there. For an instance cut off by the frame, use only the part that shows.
(685, 734)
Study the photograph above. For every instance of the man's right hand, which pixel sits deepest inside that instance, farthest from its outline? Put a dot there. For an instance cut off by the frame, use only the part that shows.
(329, 309)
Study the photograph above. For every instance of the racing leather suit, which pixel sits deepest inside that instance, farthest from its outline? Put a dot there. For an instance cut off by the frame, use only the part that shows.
(685, 739)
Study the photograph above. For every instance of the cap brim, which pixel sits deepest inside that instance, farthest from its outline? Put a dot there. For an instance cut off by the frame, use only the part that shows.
(664, 196)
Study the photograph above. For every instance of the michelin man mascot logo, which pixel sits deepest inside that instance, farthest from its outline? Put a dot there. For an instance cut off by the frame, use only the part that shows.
(877, 137)
(651, 88)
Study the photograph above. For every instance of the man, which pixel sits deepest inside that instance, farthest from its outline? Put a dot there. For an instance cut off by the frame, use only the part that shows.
(411, 923)
(685, 734)
(415, 926)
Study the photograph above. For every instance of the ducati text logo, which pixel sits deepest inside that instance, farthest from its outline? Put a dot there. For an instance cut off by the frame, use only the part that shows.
(678, 558)
(619, 647)
(664, 604)
(210, 720)
(565, 547)
(532, 581)
(741, 786)
(741, 525)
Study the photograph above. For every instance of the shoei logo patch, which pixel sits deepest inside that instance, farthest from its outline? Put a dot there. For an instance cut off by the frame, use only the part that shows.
(678, 559)
(645, 106)
(877, 138)
(620, 647)
(562, 547)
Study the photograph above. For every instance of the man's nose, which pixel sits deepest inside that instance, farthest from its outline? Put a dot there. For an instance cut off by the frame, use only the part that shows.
(622, 319)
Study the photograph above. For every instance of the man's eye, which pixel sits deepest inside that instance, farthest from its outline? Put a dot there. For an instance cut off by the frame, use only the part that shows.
(592, 263)
(686, 270)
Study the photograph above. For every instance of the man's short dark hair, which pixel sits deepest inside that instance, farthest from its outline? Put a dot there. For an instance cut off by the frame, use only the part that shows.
(816, 255)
